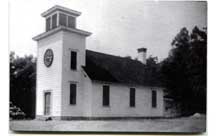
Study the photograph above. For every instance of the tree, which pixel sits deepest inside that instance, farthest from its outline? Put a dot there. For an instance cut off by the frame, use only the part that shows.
(153, 68)
(22, 83)
(184, 71)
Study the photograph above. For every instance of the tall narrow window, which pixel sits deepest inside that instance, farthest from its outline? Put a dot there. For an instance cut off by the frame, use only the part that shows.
(48, 21)
(71, 22)
(106, 93)
(62, 19)
(154, 99)
(54, 21)
(73, 60)
(132, 97)
(72, 94)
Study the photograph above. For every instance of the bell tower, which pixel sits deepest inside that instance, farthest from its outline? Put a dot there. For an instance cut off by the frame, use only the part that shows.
(60, 57)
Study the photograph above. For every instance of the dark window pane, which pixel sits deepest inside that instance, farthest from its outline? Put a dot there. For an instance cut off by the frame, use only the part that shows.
(54, 21)
(154, 99)
(132, 97)
(71, 22)
(105, 95)
(72, 94)
(62, 19)
(73, 60)
(48, 24)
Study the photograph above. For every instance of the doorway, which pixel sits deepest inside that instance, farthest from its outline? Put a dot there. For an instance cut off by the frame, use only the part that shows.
(47, 103)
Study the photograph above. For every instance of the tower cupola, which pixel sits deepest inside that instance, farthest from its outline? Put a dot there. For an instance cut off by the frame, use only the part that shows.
(60, 16)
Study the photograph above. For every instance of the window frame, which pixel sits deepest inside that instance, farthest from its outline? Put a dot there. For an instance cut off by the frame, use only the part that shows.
(73, 22)
(154, 99)
(74, 100)
(48, 24)
(72, 62)
(56, 24)
(106, 96)
(132, 97)
(61, 19)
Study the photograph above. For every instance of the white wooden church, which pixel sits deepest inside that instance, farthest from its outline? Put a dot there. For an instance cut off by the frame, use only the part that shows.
(76, 83)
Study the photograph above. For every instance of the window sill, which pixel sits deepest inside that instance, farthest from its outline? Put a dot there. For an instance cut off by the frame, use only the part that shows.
(105, 106)
(72, 104)
(74, 70)
(132, 106)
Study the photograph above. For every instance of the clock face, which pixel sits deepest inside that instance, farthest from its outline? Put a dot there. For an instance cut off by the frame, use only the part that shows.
(48, 57)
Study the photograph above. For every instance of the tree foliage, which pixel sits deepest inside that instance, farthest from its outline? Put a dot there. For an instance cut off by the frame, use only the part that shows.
(22, 83)
(184, 71)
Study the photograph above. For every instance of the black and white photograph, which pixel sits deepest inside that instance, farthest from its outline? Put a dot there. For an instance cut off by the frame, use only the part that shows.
(108, 66)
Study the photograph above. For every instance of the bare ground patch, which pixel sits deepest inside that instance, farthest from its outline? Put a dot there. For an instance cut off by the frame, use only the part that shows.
(185, 124)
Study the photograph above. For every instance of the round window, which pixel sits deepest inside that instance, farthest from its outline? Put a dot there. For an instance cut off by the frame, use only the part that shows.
(48, 57)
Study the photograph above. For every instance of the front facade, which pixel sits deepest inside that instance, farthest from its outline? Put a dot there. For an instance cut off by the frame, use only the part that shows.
(73, 82)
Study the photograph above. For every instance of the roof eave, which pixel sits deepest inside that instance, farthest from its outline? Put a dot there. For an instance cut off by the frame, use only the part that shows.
(45, 34)
(127, 84)
(60, 8)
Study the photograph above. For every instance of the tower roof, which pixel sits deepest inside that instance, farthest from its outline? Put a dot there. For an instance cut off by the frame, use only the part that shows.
(60, 8)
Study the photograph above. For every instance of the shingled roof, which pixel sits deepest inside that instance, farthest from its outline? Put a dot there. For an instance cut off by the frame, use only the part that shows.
(109, 68)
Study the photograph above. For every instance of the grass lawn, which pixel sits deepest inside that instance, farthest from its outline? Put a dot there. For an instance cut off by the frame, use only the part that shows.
(184, 124)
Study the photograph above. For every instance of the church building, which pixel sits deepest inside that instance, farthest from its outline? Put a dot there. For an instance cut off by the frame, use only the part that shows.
(76, 83)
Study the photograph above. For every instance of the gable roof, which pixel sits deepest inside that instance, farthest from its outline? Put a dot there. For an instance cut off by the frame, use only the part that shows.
(109, 68)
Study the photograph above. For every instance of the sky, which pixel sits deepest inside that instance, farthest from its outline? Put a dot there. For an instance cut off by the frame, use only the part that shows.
(118, 27)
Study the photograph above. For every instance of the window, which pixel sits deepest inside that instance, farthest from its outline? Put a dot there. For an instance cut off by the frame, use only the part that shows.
(73, 60)
(48, 21)
(72, 94)
(54, 21)
(154, 99)
(71, 22)
(132, 97)
(106, 95)
(62, 19)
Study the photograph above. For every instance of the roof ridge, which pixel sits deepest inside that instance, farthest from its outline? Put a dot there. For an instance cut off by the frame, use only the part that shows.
(111, 55)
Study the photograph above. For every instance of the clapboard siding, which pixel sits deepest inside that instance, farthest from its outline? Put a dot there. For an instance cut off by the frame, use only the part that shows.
(49, 78)
(119, 102)
(73, 42)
